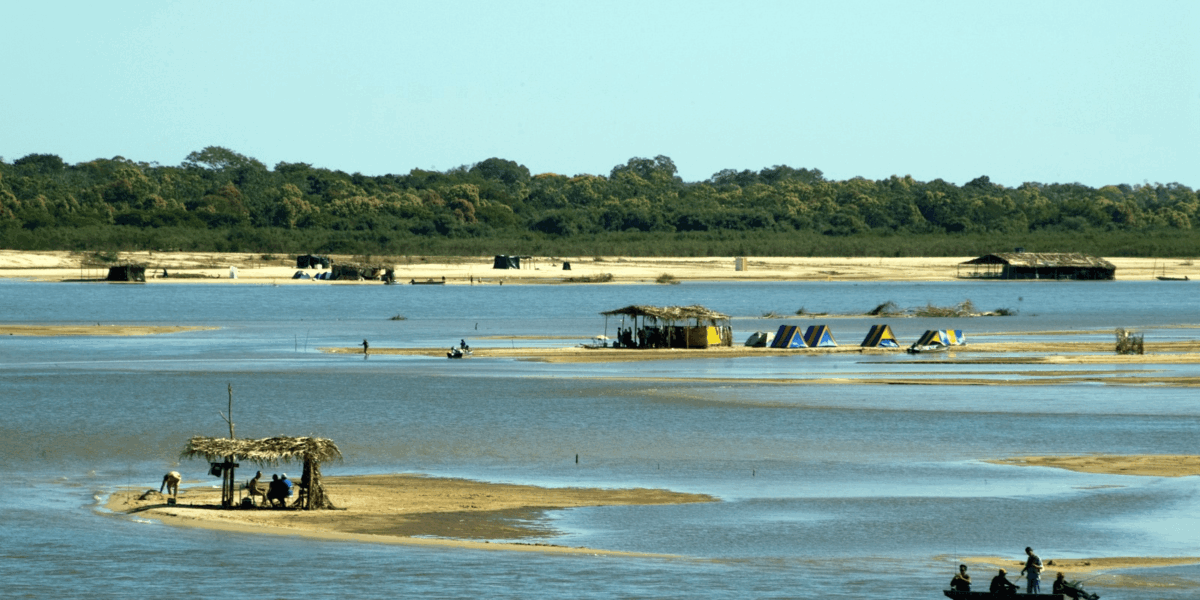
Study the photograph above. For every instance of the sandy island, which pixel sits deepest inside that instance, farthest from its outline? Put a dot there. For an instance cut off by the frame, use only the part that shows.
(212, 267)
(403, 509)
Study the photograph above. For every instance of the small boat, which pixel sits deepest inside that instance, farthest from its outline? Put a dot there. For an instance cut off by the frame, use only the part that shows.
(458, 353)
(1165, 278)
(958, 595)
(928, 348)
(442, 281)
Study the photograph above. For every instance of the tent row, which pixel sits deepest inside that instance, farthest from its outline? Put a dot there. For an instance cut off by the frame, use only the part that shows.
(821, 336)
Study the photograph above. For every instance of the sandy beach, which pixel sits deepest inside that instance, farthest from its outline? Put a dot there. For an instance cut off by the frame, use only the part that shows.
(406, 509)
(210, 267)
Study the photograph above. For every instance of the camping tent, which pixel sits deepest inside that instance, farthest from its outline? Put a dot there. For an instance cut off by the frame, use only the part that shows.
(788, 336)
(945, 337)
(819, 336)
(759, 339)
(880, 336)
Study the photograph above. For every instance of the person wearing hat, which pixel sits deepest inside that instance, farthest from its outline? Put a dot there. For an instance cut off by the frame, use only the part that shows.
(285, 485)
(1001, 584)
(961, 581)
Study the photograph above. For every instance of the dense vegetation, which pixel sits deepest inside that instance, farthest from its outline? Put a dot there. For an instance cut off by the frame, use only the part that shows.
(220, 200)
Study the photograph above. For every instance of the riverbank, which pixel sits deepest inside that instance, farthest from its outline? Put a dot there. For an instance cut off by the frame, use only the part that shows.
(403, 509)
(213, 267)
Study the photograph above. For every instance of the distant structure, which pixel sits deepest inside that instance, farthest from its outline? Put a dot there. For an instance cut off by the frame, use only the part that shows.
(312, 261)
(127, 273)
(502, 261)
(671, 327)
(1039, 265)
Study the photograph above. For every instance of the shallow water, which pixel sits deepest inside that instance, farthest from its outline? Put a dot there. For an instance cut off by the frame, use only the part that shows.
(827, 490)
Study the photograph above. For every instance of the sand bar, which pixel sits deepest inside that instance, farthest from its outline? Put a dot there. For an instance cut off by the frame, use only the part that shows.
(403, 509)
(1152, 465)
(97, 329)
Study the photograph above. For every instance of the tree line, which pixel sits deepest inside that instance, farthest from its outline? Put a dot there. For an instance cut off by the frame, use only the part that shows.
(220, 200)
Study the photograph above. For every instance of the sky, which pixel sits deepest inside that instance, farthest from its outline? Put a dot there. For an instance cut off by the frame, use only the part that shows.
(1093, 92)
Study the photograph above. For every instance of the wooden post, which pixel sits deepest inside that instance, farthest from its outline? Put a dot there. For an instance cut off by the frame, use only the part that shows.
(229, 482)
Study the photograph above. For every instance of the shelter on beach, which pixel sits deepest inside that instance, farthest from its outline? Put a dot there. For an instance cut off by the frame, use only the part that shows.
(1039, 265)
(306, 261)
(671, 327)
(788, 336)
(502, 261)
(880, 336)
(819, 336)
(223, 455)
(944, 337)
(127, 273)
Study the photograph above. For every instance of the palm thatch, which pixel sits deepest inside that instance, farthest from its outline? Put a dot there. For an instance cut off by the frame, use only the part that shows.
(267, 451)
(310, 451)
(670, 313)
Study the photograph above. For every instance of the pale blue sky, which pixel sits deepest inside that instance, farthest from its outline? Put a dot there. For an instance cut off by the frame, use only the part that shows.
(1057, 92)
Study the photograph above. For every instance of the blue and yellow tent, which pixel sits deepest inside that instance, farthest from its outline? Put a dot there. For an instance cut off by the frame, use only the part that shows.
(788, 336)
(880, 336)
(945, 337)
(819, 336)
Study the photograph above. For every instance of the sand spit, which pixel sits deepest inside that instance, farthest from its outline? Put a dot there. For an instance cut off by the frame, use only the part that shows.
(97, 329)
(1151, 465)
(404, 509)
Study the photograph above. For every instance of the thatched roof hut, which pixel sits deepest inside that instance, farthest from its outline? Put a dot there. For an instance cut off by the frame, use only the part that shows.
(673, 327)
(672, 313)
(1040, 265)
(310, 451)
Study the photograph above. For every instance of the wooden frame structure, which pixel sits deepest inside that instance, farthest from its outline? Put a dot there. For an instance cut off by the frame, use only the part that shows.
(672, 327)
(223, 454)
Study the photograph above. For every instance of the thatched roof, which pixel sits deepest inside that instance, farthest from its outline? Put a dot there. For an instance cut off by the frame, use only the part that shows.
(669, 313)
(1041, 260)
(270, 451)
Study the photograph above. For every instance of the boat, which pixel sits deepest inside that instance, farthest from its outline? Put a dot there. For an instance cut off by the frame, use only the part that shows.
(959, 595)
(928, 348)
(442, 281)
(458, 353)
(1166, 278)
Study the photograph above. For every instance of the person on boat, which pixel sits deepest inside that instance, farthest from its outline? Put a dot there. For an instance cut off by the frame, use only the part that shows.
(462, 344)
(961, 581)
(1032, 572)
(171, 483)
(1002, 586)
(1071, 590)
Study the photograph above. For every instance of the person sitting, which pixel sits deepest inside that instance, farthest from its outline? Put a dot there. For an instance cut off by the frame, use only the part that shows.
(254, 488)
(286, 486)
(1001, 585)
(961, 581)
(276, 491)
(1071, 590)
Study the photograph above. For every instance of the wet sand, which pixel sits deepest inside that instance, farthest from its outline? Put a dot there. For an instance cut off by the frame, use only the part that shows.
(402, 509)
(213, 267)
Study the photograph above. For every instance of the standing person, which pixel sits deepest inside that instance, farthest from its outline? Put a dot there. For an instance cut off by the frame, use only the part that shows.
(1032, 572)
(365, 346)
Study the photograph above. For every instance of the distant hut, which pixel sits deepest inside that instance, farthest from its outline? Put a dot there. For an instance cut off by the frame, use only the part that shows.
(127, 273)
(307, 261)
(672, 327)
(223, 454)
(1039, 265)
(503, 261)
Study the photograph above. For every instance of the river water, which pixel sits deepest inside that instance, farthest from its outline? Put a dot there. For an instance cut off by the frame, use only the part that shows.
(844, 491)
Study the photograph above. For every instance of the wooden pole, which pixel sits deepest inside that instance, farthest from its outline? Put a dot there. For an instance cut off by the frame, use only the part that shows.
(228, 481)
